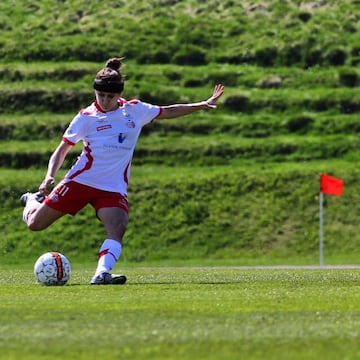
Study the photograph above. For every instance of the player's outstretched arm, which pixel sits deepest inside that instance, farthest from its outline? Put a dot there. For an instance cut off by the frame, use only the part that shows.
(176, 110)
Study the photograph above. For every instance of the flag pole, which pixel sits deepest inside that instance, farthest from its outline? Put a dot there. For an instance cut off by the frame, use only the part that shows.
(332, 186)
(321, 228)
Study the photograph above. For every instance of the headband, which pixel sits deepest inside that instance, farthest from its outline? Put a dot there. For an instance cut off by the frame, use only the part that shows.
(108, 86)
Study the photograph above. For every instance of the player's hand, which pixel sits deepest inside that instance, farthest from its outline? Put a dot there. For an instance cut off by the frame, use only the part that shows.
(47, 185)
(218, 91)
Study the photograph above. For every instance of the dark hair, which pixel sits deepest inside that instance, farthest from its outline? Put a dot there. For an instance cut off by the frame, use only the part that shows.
(110, 79)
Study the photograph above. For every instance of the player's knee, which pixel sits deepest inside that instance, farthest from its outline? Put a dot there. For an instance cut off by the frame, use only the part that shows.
(35, 225)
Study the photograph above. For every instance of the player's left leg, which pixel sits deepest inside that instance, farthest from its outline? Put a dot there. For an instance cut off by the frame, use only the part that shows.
(115, 220)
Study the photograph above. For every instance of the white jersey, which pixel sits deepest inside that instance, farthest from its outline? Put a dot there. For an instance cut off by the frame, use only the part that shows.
(109, 142)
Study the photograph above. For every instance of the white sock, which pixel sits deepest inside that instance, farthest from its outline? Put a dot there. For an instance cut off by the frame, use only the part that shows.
(30, 207)
(108, 256)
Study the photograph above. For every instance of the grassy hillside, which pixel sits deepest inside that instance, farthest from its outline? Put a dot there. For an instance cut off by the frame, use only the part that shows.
(189, 32)
(240, 183)
(244, 214)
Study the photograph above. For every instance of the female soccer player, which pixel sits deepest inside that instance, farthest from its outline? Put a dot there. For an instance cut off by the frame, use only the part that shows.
(109, 129)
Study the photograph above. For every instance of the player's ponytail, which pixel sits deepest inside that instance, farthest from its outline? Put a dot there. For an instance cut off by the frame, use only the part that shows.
(114, 63)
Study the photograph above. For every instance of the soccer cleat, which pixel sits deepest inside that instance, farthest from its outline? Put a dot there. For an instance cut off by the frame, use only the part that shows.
(38, 196)
(108, 279)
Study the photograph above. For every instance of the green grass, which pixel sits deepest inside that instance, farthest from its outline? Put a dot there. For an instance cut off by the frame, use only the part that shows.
(270, 33)
(183, 313)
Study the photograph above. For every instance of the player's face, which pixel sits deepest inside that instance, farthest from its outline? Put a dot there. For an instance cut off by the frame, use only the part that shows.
(107, 101)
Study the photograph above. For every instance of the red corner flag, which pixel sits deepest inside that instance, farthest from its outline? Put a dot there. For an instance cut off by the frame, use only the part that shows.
(331, 185)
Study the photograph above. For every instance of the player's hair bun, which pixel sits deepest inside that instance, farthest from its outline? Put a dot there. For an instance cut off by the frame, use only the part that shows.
(114, 63)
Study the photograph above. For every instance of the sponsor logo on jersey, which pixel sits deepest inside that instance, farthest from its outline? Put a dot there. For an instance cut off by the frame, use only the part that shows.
(103, 127)
(121, 138)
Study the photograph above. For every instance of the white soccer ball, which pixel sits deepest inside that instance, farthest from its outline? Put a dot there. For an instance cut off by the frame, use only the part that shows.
(52, 269)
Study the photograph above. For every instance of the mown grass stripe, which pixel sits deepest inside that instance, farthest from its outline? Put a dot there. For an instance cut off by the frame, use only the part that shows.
(183, 313)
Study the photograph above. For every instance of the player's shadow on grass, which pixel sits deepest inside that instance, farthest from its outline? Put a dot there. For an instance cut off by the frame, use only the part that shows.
(160, 283)
(184, 282)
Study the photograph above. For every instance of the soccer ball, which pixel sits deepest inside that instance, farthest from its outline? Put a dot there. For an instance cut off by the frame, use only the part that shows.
(52, 269)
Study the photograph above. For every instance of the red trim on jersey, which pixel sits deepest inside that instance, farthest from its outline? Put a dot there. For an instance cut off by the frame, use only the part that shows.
(87, 165)
(133, 101)
(65, 140)
(121, 101)
(98, 107)
(160, 111)
(126, 179)
(84, 112)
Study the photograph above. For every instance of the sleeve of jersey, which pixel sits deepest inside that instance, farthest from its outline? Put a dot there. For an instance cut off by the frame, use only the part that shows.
(145, 112)
(75, 131)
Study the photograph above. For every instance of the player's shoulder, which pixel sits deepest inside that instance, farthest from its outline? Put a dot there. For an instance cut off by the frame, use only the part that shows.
(89, 110)
(136, 105)
(124, 102)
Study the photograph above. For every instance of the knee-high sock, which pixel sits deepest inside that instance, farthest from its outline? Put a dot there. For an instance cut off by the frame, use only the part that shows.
(108, 256)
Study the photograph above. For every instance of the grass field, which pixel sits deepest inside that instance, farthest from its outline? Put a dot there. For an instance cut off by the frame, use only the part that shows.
(184, 313)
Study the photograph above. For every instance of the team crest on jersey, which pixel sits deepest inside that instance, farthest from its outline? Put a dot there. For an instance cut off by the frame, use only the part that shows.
(103, 127)
(130, 124)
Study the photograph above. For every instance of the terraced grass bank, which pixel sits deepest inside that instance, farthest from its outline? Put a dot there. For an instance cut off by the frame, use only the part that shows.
(239, 183)
(184, 32)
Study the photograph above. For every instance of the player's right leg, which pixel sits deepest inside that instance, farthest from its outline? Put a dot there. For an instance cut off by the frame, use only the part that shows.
(65, 198)
(37, 215)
